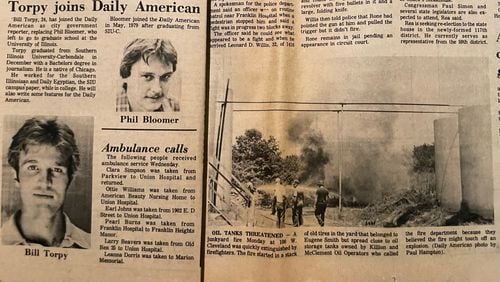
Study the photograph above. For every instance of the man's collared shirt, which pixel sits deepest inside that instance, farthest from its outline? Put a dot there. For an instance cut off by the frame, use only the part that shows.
(280, 193)
(74, 237)
(321, 196)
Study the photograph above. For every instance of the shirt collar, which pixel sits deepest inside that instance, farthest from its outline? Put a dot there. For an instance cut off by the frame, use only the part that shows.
(74, 237)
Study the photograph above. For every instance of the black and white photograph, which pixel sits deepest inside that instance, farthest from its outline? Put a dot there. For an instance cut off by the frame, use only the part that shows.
(375, 142)
(47, 181)
(150, 81)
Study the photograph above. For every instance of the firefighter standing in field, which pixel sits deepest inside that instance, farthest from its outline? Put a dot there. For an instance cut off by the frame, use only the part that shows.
(298, 204)
(279, 203)
(321, 201)
(251, 205)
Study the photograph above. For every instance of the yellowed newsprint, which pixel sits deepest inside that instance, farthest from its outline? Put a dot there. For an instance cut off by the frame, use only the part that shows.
(102, 129)
(353, 141)
(227, 140)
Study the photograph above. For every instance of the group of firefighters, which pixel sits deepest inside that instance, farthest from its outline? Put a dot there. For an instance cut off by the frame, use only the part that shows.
(279, 205)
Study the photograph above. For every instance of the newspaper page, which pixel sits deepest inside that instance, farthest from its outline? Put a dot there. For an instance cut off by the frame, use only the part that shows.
(102, 128)
(353, 140)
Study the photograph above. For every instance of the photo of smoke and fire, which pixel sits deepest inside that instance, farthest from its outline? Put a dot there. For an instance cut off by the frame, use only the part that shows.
(381, 154)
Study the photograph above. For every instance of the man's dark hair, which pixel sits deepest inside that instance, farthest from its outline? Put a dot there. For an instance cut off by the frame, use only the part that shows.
(144, 49)
(39, 131)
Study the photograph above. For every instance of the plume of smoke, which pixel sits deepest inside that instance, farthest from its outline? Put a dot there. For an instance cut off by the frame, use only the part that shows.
(373, 170)
(313, 155)
(297, 128)
(372, 166)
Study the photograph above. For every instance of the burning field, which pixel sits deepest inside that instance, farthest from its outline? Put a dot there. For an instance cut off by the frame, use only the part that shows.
(385, 182)
(409, 208)
(371, 168)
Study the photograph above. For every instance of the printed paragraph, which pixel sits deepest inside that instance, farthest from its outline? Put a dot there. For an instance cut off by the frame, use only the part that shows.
(38, 63)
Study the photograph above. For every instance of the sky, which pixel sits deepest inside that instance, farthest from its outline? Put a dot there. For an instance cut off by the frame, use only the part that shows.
(377, 147)
(458, 81)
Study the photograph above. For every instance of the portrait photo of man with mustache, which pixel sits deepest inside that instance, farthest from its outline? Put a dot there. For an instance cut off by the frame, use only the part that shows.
(147, 70)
